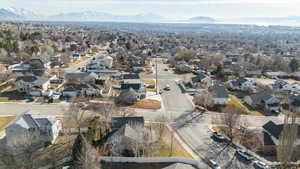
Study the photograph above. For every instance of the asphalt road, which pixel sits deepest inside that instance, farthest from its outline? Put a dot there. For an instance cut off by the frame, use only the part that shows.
(194, 129)
(17, 108)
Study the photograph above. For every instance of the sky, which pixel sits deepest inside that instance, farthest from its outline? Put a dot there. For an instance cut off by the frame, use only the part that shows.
(173, 9)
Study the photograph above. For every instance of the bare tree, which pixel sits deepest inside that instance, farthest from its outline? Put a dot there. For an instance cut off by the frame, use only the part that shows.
(204, 98)
(21, 153)
(106, 111)
(287, 140)
(73, 120)
(84, 155)
(230, 119)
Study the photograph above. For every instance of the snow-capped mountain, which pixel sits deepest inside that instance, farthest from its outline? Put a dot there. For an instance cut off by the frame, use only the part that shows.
(101, 16)
(23, 13)
(8, 15)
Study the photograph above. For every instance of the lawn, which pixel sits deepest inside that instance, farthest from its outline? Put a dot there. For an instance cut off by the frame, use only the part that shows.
(147, 104)
(149, 81)
(237, 104)
(5, 120)
(178, 150)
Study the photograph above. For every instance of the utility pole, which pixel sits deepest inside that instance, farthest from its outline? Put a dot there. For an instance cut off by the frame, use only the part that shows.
(156, 76)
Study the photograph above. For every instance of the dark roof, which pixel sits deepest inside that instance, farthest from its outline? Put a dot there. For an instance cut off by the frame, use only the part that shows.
(27, 78)
(135, 86)
(239, 81)
(295, 100)
(131, 76)
(118, 122)
(268, 141)
(261, 96)
(30, 121)
(75, 87)
(78, 75)
(31, 79)
(43, 122)
(276, 129)
(198, 78)
(218, 91)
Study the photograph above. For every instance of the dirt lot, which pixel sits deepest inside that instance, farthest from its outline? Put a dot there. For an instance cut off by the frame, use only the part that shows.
(147, 104)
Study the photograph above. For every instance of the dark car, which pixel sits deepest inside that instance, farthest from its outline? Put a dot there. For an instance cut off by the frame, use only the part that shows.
(151, 86)
(220, 136)
(243, 153)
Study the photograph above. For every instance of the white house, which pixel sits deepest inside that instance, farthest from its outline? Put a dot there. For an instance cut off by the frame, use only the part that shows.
(220, 94)
(32, 85)
(241, 84)
(36, 130)
(263, 100)
(292, 88)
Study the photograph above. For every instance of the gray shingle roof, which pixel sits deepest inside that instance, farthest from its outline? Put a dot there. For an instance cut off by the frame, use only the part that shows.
(218, 91)
(118, 122)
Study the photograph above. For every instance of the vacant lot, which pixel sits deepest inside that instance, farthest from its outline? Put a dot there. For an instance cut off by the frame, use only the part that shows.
(147, 104)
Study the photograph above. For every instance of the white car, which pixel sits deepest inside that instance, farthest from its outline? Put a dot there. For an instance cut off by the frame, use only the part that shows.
(261, 165)
(213, 164)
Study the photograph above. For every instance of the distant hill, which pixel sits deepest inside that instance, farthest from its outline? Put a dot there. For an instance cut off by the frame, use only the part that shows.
(101, 16)
(202, 19)
(291, 20)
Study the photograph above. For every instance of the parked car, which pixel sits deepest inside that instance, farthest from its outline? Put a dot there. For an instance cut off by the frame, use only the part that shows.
(220, 136)
(259, 164)
(213, 164)
(151, 86)
(30, 99)
(243, 153)
(166, 69)
(167, 88)
(160, 91)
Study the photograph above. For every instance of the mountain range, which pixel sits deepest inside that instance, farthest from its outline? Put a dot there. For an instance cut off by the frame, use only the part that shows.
(20, 14)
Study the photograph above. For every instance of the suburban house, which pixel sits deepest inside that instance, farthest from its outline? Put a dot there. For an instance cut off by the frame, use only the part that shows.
(35, 66)
(32, 85)
(130, 76)
(291, 88)
(201, 81)
(271, 137)
(277, 85)
(182, 67)
(294, 103)
(263, 100)
(136, 84)
(219, 94)
(81, 89)
(80, 77)
(241, 84)
(279, 74)
(36, 130)
(118, 122)
(128, 132)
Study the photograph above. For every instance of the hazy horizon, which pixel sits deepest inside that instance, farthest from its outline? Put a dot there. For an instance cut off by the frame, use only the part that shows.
(172, 9)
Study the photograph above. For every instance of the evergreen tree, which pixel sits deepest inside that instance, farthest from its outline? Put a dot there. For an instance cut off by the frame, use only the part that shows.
(294, 65)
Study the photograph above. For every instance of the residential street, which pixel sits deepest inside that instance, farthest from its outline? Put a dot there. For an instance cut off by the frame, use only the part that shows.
(191, 126)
